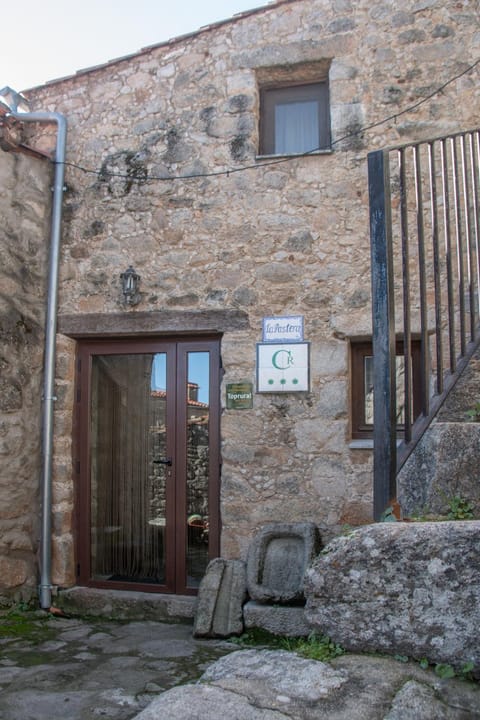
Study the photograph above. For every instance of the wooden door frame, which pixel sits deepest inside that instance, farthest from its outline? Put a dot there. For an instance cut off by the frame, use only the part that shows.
(180, 345)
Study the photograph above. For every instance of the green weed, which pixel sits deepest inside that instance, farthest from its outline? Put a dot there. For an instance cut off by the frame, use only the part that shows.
(21, 622)
(388, 515)
(314, 647)
(318, 647)
(460, 509)
(474, 413)
(444, 671)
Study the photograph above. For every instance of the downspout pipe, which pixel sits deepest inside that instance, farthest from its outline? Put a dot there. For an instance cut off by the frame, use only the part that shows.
(45, 589)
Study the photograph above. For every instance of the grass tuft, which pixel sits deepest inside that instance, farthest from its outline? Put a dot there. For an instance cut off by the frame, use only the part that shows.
(314, 647)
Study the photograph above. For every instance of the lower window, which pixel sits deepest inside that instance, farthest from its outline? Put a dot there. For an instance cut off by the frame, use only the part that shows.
(362, 386)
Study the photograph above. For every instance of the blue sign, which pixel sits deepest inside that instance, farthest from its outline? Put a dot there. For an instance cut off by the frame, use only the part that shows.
(287, 329)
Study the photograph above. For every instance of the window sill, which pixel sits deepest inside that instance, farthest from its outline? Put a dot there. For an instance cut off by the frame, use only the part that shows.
(364, 444)
(275, 156)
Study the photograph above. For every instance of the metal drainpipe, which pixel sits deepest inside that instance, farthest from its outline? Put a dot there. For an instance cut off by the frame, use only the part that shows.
(50, 337)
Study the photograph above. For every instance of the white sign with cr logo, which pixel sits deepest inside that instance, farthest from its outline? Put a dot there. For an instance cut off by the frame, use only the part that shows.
(283, 367)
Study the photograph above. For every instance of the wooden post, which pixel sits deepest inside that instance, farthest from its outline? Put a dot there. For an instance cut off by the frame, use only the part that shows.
(383, 322)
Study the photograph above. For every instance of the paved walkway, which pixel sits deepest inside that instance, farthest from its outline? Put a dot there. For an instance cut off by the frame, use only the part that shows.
(54, 668)
(57, 668)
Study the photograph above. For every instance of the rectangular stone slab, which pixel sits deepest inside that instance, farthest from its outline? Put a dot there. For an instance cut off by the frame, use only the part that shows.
(221, 596)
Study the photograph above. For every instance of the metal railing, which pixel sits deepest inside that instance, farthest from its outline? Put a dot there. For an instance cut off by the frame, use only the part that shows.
(425, 254)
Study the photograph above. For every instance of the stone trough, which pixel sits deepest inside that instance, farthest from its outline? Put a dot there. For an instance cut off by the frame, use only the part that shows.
(278, 557)
(277, 560)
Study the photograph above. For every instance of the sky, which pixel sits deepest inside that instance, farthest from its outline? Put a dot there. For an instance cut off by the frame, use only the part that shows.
(45, 40)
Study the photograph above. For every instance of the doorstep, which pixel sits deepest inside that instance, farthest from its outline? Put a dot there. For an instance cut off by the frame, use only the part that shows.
(126, 605)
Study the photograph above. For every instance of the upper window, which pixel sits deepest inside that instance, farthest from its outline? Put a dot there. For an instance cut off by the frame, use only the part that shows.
(294, 119)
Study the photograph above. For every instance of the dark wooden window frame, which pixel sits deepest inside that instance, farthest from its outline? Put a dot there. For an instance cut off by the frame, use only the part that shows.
(271, 96)
(359, 350)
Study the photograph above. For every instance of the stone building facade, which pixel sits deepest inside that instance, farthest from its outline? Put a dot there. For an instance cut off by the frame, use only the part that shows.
(166, 172)
(25, 211)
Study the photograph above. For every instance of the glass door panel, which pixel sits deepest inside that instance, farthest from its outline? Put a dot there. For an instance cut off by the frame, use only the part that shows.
(198, 464)
(128, 483)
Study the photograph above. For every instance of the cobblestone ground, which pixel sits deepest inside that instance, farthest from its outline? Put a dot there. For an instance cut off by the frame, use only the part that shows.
(54, 668)
(61, 668)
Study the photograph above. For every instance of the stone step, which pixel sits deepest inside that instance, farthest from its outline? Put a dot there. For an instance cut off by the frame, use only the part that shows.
(443, 466)
(126, 605)
(289, 621)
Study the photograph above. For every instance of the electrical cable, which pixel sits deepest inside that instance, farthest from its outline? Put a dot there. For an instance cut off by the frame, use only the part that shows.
(259, 164)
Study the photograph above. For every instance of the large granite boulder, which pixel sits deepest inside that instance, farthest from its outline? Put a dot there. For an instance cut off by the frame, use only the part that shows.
(401, 588)
(278, 685)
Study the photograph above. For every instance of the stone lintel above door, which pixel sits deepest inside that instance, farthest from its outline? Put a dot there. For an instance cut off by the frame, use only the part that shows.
(152, 323)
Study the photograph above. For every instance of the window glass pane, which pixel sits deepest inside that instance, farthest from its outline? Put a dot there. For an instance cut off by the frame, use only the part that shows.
(198, 457)
(159, 373)
(368, 365)
(296, 127)
(400, 385)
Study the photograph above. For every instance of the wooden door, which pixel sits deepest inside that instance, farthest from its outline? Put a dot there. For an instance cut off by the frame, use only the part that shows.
(148, 463)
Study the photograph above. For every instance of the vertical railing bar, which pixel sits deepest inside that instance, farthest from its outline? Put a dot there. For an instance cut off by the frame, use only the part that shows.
(459, 246)
(422, 282)
(383, 322)
(468, 237)
(407, 338)
(436, 267)
(474, 166)
(458, 179)
(448, 256)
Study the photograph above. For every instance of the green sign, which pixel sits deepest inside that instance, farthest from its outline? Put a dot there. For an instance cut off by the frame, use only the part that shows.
(239, 396)
(283, 367)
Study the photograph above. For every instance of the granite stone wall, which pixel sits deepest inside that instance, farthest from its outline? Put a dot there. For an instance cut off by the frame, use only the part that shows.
(247, 234)
(25, 210)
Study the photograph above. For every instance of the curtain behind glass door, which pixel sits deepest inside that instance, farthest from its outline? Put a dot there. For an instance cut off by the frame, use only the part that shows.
(128, 436)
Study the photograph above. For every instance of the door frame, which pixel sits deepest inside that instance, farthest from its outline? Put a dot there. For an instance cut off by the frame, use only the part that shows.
(181, 345)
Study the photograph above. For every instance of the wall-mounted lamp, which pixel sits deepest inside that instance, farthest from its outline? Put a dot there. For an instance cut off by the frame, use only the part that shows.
(130, 284)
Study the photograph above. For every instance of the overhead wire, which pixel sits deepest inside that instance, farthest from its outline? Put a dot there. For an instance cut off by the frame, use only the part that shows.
(104, 174)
